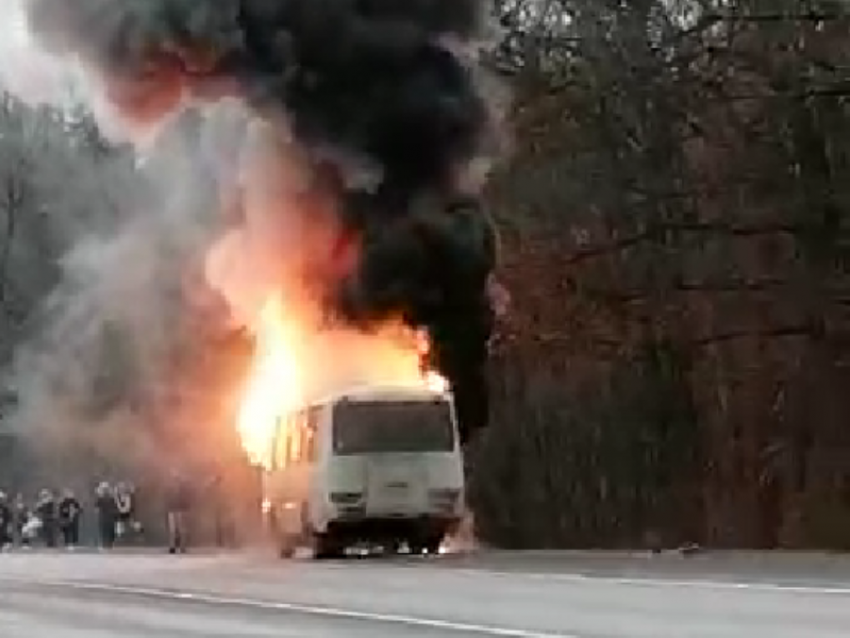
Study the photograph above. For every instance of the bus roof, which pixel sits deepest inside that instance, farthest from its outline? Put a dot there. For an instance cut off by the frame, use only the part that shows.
(384, 393)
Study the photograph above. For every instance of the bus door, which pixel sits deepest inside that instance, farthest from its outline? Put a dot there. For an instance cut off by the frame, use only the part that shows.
(295, 457)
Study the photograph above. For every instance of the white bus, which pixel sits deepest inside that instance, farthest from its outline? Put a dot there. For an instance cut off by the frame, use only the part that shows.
(376, 465)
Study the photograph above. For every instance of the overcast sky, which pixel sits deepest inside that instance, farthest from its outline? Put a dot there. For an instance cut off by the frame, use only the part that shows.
(24, 70)
(13, 36)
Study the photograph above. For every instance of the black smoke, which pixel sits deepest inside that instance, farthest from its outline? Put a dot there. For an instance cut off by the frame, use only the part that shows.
(371, 80)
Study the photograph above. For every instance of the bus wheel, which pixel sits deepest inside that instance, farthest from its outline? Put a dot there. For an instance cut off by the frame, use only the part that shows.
(429, 544)
(433, 544)
(327, 547)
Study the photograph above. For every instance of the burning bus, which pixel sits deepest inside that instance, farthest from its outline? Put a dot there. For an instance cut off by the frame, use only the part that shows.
(357, 437)
(377, 465)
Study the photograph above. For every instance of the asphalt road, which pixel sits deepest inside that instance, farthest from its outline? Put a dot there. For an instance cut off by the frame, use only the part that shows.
(509, 595)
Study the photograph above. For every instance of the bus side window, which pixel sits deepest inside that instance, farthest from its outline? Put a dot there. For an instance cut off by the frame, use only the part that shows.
(296, 439)
(292, 438)
(281, 448)
(311, 428)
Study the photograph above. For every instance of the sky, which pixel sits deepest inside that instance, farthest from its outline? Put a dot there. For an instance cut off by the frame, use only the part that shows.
(24, 69)
(14, 39)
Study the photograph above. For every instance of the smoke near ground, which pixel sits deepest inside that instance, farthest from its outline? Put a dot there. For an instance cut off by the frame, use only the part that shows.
(96, 380)
(101, 300)
(384, 105)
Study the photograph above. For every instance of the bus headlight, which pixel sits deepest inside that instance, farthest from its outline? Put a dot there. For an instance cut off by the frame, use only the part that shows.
(444, 499)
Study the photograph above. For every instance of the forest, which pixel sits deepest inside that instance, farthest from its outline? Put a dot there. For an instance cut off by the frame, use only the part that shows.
(675, 237)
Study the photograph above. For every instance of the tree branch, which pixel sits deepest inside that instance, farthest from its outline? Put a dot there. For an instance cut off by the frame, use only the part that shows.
(659, 230)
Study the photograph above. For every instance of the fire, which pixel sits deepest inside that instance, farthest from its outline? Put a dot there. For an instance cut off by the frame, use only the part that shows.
(293, 363)
(284, 252)
(436, 382)
(274, 383)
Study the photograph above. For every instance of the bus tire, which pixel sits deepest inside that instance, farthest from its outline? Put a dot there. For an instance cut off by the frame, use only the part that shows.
(429, 544)
(433, 543)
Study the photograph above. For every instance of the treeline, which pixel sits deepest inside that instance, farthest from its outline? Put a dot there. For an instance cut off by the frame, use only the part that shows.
(676, 238)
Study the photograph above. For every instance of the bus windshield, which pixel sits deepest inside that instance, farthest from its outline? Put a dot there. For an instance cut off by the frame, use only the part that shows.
(397, 426)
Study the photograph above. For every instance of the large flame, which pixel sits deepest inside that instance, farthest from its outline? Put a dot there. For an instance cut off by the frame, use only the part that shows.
(293, 364)
(285, 251)
(274, 385)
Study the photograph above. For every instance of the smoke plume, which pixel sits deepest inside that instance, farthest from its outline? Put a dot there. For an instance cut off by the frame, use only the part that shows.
(384, 102)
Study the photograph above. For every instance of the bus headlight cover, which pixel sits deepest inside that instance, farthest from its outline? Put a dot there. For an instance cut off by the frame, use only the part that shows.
(444, 498)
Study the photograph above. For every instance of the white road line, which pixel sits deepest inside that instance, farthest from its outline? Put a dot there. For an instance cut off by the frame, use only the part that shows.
(312, 610)
(646, 581)
(718, 582)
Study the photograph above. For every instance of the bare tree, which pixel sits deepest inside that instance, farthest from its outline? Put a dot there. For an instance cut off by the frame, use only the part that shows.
(678, 197)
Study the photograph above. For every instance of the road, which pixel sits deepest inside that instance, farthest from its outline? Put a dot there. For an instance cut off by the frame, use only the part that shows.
(504, 595)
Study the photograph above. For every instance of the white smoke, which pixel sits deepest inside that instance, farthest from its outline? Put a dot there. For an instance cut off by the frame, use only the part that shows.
(40, 78)
(99, 363)
(28, 72)
(98, 371)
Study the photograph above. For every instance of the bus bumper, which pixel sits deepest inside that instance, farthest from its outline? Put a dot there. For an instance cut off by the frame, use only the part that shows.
(391, 529)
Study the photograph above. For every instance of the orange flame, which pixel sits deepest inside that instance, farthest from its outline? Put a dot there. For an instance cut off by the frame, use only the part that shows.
(293, 364)
(274, 384)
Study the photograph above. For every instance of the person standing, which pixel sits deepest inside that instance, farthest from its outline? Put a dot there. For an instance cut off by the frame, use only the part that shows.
(177, 504)
(107, 515)
(6, 522)
(45, 510)
(20, 516)
(124, 507)
(69, 519)
(32, 530)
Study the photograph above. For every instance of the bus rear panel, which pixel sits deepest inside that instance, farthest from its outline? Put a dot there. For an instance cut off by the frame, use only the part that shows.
(386, 469)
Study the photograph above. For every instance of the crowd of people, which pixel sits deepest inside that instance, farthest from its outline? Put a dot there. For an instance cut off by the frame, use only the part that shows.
(54, 519)
(110, 516)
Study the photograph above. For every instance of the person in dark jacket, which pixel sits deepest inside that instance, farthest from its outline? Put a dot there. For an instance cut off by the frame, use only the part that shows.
(45, 510)
(6, 522)
(177, 504)
(107, 515)
(70, 511)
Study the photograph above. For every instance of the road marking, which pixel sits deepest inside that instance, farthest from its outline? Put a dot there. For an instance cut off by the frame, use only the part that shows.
(718, 582)
(646, 581)
(312, 610)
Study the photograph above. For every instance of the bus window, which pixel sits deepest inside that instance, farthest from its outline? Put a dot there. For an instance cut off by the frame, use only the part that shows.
(295, 438)
(311, 428)
(392, 427)
(295, 441)
(281, 448)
